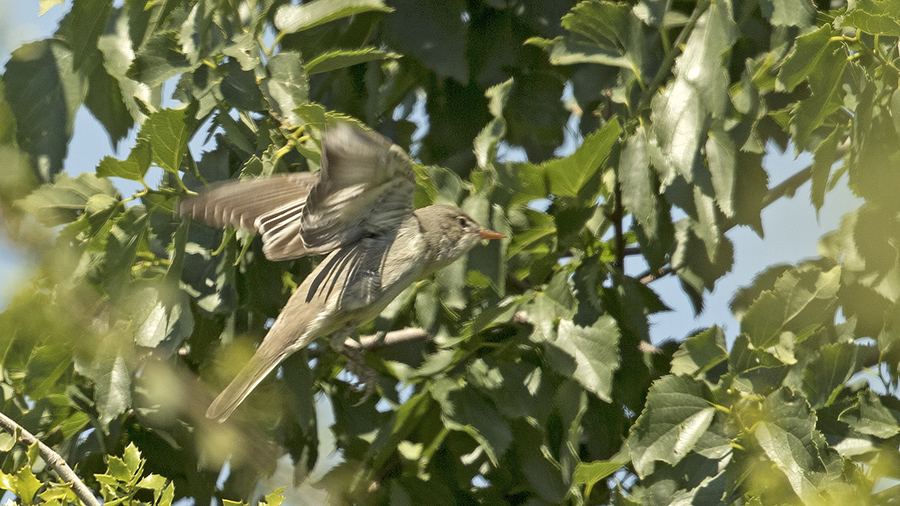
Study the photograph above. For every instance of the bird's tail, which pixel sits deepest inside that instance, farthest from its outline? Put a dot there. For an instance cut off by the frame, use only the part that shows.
(264, 360)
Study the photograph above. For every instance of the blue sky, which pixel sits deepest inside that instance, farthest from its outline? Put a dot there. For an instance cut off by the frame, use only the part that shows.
(791, 226)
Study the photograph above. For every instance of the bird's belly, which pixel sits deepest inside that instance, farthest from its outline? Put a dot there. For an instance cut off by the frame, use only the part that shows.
(355, 283)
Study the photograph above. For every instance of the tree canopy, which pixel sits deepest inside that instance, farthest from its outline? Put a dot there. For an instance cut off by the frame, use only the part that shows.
(522, 374)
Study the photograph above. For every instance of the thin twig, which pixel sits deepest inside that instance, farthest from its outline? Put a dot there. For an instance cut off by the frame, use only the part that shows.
(618, 215)
(650, 276)
(52, 459)
(372, 342)
(391, 338)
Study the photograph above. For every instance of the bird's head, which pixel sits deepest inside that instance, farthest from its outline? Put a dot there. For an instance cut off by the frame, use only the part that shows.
(450, 233)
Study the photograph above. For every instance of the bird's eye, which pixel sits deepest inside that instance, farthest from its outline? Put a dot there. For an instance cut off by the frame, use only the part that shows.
(462, 222)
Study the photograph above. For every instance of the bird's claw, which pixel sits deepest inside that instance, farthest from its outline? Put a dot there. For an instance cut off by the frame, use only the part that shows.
(367, 377)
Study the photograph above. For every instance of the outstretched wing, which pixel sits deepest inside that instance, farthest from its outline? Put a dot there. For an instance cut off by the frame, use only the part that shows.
(365, 188)
(245, 204)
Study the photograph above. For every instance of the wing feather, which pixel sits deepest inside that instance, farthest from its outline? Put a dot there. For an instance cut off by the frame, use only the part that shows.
(366, 187)
(272, 206)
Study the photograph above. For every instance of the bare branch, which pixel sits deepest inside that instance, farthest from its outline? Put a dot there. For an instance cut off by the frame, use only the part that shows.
(52, 459)
(390, 338)
(374, 341)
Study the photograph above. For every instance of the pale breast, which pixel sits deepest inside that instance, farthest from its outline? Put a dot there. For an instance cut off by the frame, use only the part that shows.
(356, 282)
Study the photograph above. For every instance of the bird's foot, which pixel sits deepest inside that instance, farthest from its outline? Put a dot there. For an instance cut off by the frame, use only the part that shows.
(367, 377)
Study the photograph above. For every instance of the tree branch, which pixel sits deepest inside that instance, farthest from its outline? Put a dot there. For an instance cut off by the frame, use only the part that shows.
(391, 338)
(373, 342)
(52, 459)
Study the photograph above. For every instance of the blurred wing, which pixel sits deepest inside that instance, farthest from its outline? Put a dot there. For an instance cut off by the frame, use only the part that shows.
(272, 206)
(366, 187)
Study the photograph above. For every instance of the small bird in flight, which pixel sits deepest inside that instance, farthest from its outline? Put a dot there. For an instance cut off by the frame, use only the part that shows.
(357, 210)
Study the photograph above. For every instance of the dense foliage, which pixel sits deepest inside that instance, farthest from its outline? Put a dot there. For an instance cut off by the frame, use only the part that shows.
(535, 384)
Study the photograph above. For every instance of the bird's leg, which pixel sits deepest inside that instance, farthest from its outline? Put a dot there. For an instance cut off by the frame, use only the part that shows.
(367, 378)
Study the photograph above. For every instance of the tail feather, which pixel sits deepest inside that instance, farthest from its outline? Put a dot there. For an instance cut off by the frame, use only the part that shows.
(240, 387)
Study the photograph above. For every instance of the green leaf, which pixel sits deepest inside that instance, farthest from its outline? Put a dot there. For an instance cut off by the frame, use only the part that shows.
(152, 482)
(159, 59)
(808, 53)
(699, 91)
(294, 18)
(244, 49)
(591, 354)
(700, 352)
(802, 300)
(132, 459)
(486, 142)
(720, 151)
(876, 17)
(134, 167)
(83, 26)
(104, 100)
(341, 58)
(676, 418)
(44, 92)
(706, 226)
(599, 32)
(65, 199)
(118, 470)
(874, 415)
(798, 13)
(568, 175)
(111, 377)
(167, 132)
(637, 180)
(27, 485)
(826, 375)
(275, 498)
(46, 367)
(765, 280)
(788, 436)
(8, 441)
(287, 86)
(118, 56)
(167, 496)
(825, 85)
(434, 32)
(821, 168)
(240, 89)
(589, 473)
(46, 5)
(127, 235)
(466, 410)
(691, 262)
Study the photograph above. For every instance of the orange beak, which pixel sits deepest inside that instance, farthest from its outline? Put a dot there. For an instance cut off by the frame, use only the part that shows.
(490, 234)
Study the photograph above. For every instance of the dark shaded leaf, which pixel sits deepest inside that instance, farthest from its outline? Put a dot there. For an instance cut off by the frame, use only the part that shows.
(83, 26)
(159, 60)
(44, 92)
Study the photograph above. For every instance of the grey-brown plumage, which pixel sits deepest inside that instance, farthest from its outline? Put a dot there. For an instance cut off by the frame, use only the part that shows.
(358, 210)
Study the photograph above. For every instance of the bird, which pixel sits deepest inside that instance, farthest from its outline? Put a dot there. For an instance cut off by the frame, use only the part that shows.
(358, 211)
